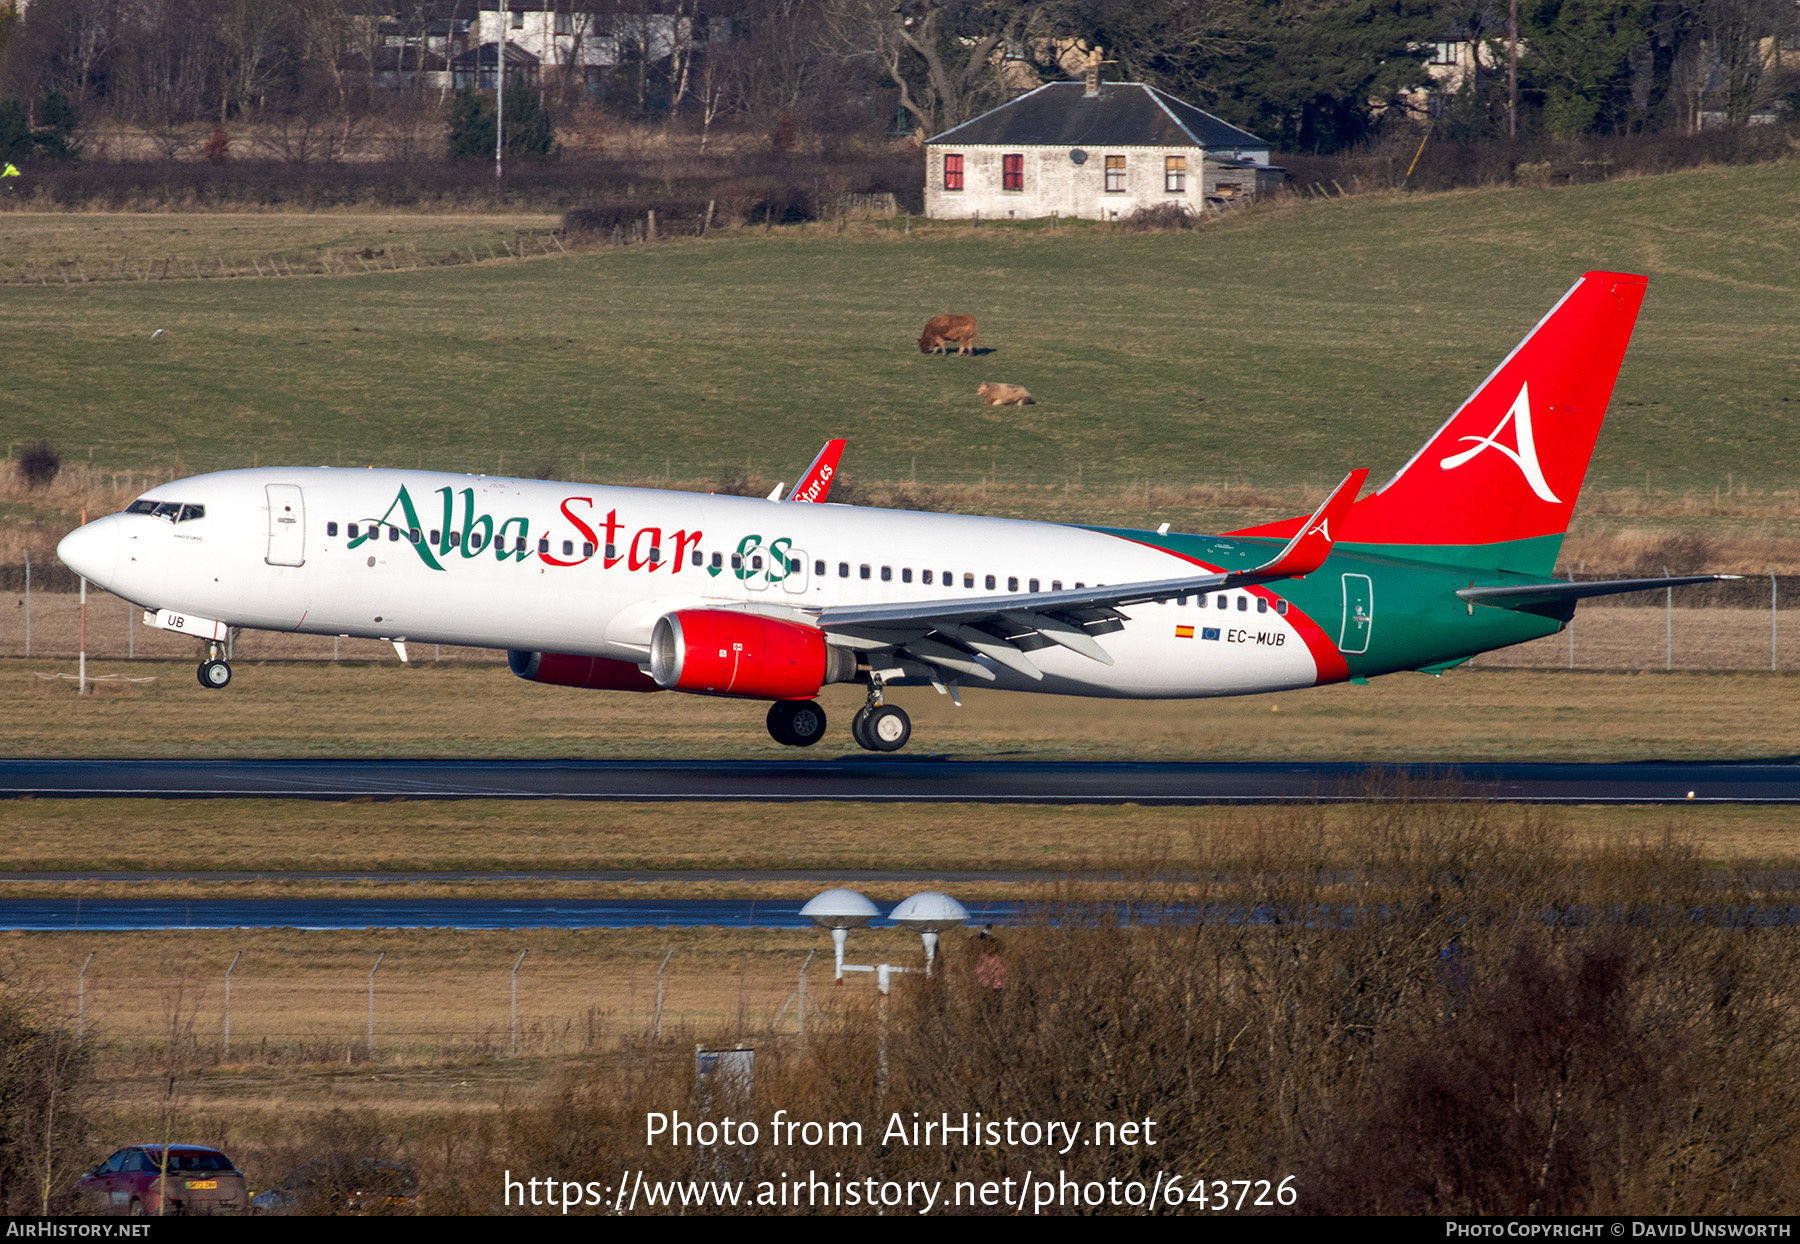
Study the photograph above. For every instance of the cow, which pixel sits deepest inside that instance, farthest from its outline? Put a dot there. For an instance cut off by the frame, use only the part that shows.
(1005, 394)
(941, 330)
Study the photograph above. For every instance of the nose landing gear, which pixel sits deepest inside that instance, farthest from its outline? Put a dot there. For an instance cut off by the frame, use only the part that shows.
(880, 727)
(214, 674)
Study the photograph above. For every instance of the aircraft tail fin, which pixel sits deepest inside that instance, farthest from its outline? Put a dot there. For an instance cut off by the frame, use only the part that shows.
(1507, 467)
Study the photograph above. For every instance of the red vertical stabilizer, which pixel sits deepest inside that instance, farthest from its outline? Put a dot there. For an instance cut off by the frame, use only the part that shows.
(1509, 463)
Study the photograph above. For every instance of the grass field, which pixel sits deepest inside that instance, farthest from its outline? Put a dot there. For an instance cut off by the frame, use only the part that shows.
(49, 835)
(1277, 348)
(320, 709)
(48, 247)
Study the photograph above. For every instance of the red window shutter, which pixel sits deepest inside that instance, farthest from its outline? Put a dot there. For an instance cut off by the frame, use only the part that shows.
(953, 172)
(1012, 172)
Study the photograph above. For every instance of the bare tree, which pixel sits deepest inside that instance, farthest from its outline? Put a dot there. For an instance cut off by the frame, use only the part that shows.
(82, 32)
(942, 57)
(687, 25)
(251, 51)
(719, 88)
(1740, 38)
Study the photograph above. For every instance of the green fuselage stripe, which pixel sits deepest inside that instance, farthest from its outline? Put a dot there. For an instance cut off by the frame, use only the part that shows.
(1409, 592)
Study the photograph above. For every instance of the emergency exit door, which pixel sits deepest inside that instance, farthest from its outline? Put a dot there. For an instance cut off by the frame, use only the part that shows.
(287, 525)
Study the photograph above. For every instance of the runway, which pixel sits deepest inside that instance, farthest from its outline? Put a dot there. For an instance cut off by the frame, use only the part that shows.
(924, 779)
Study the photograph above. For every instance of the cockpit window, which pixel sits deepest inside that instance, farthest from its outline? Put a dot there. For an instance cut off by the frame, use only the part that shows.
(168, 511)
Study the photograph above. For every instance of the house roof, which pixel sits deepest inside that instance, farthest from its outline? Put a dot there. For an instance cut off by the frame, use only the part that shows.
(515, 55)
(1124, 114)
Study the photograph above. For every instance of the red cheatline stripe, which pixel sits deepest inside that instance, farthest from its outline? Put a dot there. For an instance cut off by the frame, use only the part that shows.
(1327, 660)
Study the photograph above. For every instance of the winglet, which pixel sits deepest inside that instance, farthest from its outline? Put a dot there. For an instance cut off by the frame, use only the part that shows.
(1309, 548)
(815, 485)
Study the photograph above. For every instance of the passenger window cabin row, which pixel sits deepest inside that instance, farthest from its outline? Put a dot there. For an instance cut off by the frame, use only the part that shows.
(864, 570)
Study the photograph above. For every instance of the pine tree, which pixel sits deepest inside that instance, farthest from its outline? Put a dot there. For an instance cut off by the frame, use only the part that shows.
(528, 128)
(471, 125)
(15, 134)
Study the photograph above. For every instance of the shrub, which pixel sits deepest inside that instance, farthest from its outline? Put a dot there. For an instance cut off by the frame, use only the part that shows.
(43, 1073)
(1163, 218)
(528, 128)
(38, 465)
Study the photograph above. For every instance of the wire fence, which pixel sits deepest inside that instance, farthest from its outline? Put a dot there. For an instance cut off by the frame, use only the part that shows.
(418, 1004)
(1749, 624)
(293, 262)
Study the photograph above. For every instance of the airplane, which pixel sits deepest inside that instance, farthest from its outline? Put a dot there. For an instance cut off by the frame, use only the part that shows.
(770, 599)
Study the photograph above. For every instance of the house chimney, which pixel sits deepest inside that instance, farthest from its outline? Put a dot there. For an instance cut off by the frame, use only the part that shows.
(1093, 75)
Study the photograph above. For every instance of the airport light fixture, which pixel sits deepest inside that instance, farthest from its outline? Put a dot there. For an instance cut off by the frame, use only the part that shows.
(930, 913)
(841, 910)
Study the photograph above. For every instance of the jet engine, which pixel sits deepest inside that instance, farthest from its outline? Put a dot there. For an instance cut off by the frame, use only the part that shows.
(561, 669)
(720, 652)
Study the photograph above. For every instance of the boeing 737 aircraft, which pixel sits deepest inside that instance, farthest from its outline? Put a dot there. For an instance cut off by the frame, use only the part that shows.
(627, 589)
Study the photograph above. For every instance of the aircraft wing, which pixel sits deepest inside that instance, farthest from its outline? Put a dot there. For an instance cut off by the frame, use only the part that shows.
(951, 633)
(815, 485)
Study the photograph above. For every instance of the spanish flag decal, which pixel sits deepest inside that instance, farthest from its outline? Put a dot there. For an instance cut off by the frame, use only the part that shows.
(1184, 632)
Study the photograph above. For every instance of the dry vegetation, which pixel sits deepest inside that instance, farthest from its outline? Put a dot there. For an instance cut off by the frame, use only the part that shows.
(450, 709)
(56, 248)
(416, 839)
(1413, 1007)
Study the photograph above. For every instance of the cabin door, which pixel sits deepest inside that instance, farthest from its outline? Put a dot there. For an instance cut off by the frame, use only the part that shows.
(287, 525)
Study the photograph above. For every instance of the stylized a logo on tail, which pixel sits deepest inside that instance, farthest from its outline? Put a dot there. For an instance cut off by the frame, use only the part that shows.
(1525, 457)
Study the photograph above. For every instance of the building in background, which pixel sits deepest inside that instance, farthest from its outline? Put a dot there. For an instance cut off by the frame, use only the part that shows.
(452, 43)
(1092, 150)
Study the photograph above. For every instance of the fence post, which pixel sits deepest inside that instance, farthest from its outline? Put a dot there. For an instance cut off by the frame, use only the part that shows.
(81, 999)
(802, 991)
(1772, 616)
(1668, 624)
(27, 602)
(656, 1026)
(372, 971)
(228, 972)
(515, 1002)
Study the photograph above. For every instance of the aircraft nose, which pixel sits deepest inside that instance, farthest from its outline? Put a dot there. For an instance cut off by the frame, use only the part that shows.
(92, 551)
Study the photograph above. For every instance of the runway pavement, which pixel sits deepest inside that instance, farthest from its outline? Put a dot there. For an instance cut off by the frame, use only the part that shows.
(893, 779)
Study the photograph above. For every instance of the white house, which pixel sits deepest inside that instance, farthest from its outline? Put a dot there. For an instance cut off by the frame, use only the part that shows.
(1094, 150)
(454, 42)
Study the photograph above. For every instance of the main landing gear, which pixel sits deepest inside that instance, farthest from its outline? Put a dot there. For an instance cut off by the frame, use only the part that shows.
(797, 723)
(214, 674)
(880, 727)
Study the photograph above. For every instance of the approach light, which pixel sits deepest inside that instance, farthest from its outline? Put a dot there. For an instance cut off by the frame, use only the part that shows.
(840, 910)
(930, 913)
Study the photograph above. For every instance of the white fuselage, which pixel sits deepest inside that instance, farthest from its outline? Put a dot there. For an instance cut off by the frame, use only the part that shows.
(584, 569)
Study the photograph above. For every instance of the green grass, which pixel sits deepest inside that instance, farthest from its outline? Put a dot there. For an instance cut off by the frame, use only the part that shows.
(1279, 348)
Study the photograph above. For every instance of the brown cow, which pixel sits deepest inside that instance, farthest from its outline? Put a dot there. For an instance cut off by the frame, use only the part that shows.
(1005, 394)
(941, 330)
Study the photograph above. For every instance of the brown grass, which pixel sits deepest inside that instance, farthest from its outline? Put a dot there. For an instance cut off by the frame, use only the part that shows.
(275, 836)
(450, 709)
(1379, 1007)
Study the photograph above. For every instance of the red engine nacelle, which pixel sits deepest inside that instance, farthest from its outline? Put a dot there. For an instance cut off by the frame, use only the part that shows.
(725, 653)
(560, 669)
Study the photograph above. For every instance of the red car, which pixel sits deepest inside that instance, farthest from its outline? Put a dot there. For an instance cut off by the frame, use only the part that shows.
(197, 1180)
